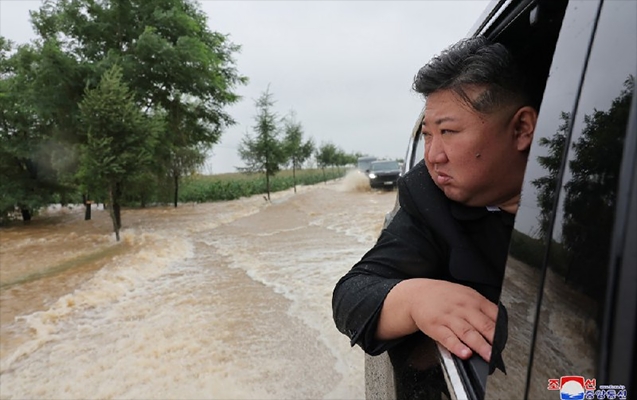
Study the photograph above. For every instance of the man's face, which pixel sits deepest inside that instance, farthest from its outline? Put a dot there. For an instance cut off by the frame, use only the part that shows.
(475, 158)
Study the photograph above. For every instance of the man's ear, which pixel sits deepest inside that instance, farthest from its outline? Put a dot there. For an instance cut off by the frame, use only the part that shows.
(524, 122)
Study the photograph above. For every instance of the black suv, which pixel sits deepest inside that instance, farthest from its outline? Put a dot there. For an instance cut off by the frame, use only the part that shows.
(384, 174)
(570, 284)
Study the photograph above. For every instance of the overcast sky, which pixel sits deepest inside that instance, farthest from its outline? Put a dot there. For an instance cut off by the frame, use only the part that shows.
(344, 67)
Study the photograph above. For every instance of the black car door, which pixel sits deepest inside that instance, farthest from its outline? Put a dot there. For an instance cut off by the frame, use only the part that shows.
(569, 220)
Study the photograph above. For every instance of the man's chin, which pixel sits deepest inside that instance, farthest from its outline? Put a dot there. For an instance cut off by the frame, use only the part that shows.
(453, 194)
(459, 197)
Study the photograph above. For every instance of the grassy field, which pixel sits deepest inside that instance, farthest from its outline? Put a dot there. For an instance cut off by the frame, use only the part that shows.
(202, 188)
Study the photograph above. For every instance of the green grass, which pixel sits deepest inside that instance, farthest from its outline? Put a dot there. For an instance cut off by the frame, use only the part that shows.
(231, 186)
(532, 250)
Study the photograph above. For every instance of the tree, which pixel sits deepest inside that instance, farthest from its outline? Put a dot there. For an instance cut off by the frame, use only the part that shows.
(547, 185)
(184, 161)
(341, 158)
(28, 179)
(296, 151)
(326, 155)
(589, 190)
(264, 152)
(120, 139)
(169, 58)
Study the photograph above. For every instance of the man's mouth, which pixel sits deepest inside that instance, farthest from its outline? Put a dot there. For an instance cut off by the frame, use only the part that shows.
(442, 178)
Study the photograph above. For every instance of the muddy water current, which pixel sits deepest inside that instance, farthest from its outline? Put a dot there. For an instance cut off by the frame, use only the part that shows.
(218, 300)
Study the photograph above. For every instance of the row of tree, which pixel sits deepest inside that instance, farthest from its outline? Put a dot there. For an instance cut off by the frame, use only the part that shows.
(279, 142)
(117, 100)
(112, 97)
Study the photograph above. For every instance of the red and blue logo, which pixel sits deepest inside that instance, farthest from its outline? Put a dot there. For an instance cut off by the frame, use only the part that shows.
(572, 388)
(575, 387)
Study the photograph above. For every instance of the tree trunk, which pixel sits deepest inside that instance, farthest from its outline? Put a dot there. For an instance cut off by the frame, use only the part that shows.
(116, 205)
(176, 182)
(294, 176)
(267, 184)
(26, 214)
(87, 207)
(324, 178)
(111, 210)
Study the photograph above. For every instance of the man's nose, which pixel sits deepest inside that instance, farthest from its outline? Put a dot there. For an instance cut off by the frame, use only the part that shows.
(434, 150)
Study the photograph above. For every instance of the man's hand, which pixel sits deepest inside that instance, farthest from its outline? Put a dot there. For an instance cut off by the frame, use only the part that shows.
(456, 316)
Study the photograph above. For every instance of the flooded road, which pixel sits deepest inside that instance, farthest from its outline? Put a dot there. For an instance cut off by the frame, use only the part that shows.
(219, 300)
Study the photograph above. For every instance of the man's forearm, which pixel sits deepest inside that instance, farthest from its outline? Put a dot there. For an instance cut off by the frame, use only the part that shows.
(395, 317)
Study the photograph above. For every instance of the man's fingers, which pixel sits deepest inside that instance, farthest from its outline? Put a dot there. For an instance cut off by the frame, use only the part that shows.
(461, 338)
(450, 341)
(489, 309)
(482, 316)
(483, 324)
(472, 338)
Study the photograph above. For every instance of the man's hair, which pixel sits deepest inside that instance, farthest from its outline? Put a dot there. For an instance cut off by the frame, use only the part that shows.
(475, 62)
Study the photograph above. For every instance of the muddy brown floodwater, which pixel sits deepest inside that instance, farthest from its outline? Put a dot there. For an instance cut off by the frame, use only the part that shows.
(216, 300)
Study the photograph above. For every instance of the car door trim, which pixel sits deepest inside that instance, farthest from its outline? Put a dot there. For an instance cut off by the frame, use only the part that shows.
(452, 376)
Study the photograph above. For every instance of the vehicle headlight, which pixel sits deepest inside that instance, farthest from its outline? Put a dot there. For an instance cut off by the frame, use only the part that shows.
(372, 176)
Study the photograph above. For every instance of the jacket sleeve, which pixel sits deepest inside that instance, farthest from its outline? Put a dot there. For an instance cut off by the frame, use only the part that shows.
(405, 249)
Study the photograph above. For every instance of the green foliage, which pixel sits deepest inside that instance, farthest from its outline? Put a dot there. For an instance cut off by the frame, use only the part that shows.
(589, 191)
(330, 155)
(345, 159)
(153, 81)
(233, 186)
(28, 178)
(264, 152)
(168, 55)
(296, 150)
(180, 74)
(183, 161)
(169, 58)
(531, 250)
(326, 155)
(120, 139)
(547, 185)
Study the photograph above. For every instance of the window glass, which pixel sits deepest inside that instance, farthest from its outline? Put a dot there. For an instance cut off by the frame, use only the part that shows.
(384, 166)
(419, 150)
(569, 325)
(522, 279)
(416, 150)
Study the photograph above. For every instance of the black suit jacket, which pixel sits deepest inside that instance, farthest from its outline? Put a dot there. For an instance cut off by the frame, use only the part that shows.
(429, 237)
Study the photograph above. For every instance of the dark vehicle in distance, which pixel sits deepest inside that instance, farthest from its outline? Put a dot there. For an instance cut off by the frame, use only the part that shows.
(364, 163)
(570, 283)
(384, 174)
